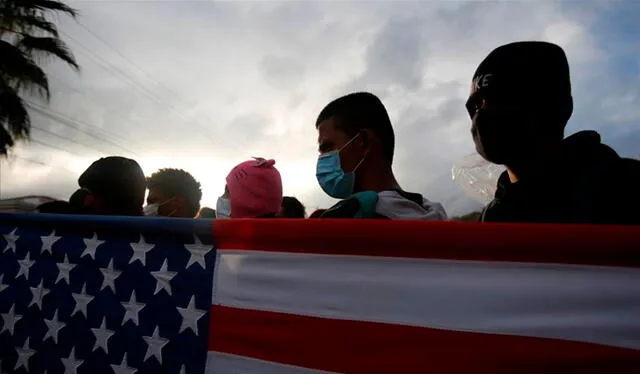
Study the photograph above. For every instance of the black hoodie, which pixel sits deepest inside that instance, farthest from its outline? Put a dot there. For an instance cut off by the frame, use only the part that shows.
(586, 182)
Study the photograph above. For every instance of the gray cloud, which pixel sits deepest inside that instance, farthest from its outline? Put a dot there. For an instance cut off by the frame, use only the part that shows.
(212, 84)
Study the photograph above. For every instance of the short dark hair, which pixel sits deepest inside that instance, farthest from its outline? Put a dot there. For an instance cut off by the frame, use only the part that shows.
(358, 111)
(207, 212)
(292, 208)
(177, 182)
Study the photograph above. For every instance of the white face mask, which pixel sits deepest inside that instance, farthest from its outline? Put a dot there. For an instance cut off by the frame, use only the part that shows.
(223, 208)
(151, 210)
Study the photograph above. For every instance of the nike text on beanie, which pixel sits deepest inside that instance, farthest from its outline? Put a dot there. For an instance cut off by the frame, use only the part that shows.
(533, 74)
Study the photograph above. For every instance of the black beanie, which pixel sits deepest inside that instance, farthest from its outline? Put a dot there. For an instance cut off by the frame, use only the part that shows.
(532, 73)
(119, 181)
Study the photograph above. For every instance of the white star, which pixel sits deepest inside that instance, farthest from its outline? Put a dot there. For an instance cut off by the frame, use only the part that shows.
(2, 285)
(197, 251)
(24, 354)
(10, 319)
(164, 278)
(64, 270)
(91, 245)
(102, 337)
(25, 264)
(71, 363)
(11, 239)
(155, 344)
(54, 326)
(109, 275)
(140, 250)
(48, 241)
(82, 301)
(38, 294)
(124, 367)
(190, 316)
(131, 309)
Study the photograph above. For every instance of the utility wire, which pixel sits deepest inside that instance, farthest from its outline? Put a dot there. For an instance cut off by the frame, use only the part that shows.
(42, 163)
(40, 142)
(118, 113)
(64, 138)
(73, 124)
(158, 100)
(157, 82)
(100, 133)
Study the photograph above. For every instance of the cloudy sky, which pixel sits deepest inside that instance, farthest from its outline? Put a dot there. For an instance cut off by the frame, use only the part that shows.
(202, 85)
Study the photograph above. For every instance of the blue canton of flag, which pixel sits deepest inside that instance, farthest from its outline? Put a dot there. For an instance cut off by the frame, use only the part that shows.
(84, 294)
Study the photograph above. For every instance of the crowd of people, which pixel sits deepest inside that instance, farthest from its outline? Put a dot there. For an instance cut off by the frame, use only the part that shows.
(519, 105)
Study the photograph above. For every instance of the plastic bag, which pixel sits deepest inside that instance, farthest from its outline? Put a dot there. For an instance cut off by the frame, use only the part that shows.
(477, 177)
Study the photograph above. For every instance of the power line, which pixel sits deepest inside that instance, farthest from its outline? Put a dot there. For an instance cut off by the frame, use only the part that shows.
(73, 124)
(42, 163)
(156, 99)
(95, 35)
(40, 142)
(126, 78)
(77, 123)
(120, 114)
(51, 133)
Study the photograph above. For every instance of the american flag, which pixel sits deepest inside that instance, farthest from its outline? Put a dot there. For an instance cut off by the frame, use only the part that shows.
(316, 296)
(104, 295)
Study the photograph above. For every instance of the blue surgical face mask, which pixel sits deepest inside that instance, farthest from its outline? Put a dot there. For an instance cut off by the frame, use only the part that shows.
(333, 180)
(223, 208)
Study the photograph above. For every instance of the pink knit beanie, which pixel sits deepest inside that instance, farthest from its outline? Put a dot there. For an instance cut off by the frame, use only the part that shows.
(255, 189)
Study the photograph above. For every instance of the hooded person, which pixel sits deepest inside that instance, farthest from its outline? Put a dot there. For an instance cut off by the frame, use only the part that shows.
(253, 190)
(356, 144)
(519, 105)
(110, 186)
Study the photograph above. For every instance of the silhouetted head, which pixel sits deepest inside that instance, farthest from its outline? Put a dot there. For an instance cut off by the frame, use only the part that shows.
(317, 213)
(173, 193)
(291, 208)
(111, 186)
(206, 212)
(520, 101)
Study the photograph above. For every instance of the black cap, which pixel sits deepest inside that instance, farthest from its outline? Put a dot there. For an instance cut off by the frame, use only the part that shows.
(119, 181)
(528, 70)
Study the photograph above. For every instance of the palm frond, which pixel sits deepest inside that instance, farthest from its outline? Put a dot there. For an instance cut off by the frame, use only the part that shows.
(20, 72)
(6, 141)
(25, 24)
(50, 5)
(48, 46)
(15, 122)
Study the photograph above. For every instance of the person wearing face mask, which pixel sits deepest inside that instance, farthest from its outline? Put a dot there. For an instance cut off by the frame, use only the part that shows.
(253, 190)
(356, 145)
(173, 193)
(520, 103)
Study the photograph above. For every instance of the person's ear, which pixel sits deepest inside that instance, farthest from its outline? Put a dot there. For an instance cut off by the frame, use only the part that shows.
(367, 138)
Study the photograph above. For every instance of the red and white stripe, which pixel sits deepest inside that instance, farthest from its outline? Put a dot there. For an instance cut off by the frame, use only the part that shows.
(318, 296)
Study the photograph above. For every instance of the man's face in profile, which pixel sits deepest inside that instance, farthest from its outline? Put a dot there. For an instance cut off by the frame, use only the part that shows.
(332, 138)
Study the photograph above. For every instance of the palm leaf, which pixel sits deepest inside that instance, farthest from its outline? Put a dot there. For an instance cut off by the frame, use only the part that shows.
(49, 5)
(20, 72)
(24, 24)
(48, 46)
(6, 142)
(15, 123)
